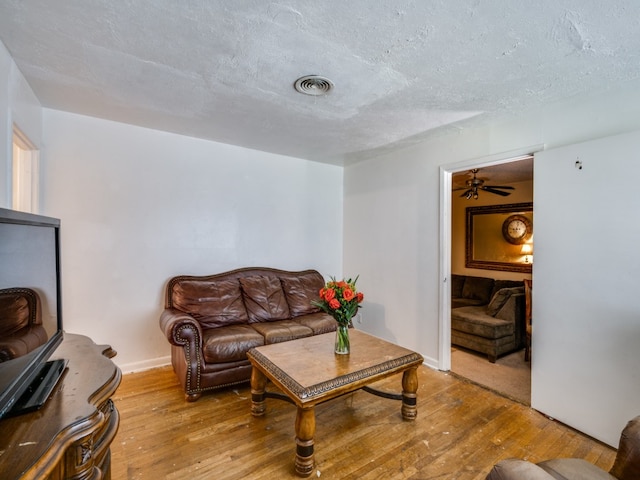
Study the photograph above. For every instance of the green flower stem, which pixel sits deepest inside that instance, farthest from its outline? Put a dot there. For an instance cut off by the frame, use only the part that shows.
(342, 339)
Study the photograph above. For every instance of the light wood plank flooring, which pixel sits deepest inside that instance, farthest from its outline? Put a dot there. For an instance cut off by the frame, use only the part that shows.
(461, 431)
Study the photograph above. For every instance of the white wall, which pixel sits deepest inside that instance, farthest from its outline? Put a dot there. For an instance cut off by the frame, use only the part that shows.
(139, 206)
(18, 105)
(392, 238)
(586, 342)
(391, 241)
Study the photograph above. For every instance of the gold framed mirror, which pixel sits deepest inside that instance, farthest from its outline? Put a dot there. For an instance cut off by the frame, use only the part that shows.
(498, 235)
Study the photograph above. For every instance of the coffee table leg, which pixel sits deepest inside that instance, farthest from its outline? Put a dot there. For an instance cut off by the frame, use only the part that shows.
(305, 430)
(409, 394)
(258, 385)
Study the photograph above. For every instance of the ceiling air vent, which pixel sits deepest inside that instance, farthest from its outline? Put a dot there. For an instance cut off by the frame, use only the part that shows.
(313, 85)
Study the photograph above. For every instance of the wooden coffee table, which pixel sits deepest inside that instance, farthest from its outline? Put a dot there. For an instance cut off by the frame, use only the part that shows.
(308, 372)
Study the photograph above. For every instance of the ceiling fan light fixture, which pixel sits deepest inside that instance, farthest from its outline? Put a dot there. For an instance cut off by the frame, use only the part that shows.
(473, 185)
(314, 85)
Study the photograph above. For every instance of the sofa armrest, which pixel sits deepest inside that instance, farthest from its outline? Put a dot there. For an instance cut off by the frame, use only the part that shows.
(515, 469)
(180, 328)
(185, 334)
(513, 311)
(509, 311)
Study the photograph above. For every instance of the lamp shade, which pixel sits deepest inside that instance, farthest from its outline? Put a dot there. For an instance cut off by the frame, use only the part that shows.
(527, 249)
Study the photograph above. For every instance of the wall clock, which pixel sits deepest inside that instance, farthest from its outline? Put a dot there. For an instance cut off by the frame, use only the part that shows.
(517, 229)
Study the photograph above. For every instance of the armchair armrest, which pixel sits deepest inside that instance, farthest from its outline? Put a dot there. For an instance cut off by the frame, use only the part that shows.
(627, 462)
(180, 328)
(516, 469)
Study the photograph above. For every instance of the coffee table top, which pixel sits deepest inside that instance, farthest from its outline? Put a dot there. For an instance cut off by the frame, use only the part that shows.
(308, 371)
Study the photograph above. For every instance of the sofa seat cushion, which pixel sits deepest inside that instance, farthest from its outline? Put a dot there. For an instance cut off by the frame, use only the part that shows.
(318, 322)
(213, 303)
(574, 468)
(282, 331)
(22, 342)
(230, 343)
(264, 298)
(465, 302)
(475, 321)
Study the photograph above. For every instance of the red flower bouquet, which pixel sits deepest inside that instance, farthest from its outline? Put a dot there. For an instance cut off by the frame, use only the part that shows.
(341, 300)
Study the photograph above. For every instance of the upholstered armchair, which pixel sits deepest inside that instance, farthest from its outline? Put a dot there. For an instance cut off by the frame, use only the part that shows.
(625, 467)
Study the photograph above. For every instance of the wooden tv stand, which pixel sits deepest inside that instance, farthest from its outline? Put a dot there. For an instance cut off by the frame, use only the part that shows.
(70, 436)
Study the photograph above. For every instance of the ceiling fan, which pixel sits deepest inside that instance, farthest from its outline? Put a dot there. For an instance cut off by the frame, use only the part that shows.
(474, 184)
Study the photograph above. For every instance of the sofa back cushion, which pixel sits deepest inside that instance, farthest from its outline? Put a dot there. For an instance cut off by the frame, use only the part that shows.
(212, 303)
(264, 298)
(300, 291)
(14, 313)
(478, 288)
(457, 283)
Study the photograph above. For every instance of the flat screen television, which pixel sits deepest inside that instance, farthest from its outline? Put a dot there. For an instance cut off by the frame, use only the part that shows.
(30, 310)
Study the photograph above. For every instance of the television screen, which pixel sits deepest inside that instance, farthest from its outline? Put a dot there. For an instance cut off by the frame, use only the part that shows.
(30, 308)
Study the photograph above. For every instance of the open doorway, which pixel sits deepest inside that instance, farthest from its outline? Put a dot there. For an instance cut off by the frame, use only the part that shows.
(25, 173)
(481, 349)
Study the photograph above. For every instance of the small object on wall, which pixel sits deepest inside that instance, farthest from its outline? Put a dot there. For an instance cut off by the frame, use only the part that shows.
(578, 164)
(517, 229)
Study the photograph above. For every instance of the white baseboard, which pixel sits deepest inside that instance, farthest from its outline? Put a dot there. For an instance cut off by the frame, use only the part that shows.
(163, 361)
(145, 365)
(431, 363)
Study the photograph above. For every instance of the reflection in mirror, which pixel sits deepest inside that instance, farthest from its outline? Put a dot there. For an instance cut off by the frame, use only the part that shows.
(28, 283)
(21, 329)
(486, 237)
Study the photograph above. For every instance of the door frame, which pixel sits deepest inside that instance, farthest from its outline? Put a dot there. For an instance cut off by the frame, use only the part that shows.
(446, 174)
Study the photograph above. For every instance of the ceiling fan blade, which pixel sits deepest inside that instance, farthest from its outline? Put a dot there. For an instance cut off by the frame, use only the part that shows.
(500, 186)
(497, 192)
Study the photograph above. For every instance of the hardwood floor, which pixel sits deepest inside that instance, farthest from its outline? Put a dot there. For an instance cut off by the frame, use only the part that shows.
(461, 431)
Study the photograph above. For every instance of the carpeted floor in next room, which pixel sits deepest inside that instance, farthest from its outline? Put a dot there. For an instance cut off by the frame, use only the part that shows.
(509, 376)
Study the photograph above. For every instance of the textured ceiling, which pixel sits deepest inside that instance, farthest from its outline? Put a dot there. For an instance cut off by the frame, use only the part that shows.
(224, 70)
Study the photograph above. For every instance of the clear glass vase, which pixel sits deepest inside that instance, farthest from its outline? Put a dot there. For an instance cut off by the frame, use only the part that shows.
(342, 346)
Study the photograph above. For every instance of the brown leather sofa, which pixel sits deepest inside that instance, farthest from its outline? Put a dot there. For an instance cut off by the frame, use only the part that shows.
(625, 467)
(212, 321)
(21, 329)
